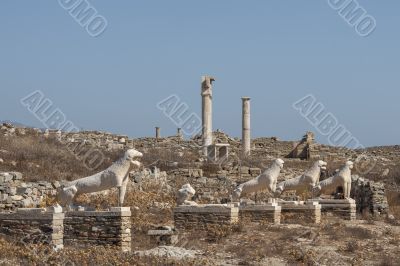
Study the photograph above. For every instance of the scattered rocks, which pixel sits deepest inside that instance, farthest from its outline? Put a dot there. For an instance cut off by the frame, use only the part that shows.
(17, 194)
(170, 252)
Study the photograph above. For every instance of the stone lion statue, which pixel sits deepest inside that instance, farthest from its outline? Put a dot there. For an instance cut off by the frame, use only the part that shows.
(341, 179)
(185, 194)
(266, 181)
(306, 182)
(117, 175)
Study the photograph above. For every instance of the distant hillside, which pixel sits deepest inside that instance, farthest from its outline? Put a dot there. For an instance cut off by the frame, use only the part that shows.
(14, 123)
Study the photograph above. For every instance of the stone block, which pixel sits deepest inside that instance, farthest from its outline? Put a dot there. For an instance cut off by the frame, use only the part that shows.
(300, 212)
(87, 228)
(47, 227)
(17, 197)
(3, 197)
(342, 208)
(7, 177)
(16, 175)
(244, 170)
(12, 191)
(199, 216)
(269, 213)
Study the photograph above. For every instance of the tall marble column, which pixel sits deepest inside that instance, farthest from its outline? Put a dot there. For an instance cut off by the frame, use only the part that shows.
(206, 94)
(246, 138)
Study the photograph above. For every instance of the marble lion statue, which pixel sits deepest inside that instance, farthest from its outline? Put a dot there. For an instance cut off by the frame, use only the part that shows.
(341, 179)
(266, 181)
(117, 175)
(306, 182)
(185, 194)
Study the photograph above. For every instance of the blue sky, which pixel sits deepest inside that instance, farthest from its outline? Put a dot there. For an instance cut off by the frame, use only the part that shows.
(276, 52)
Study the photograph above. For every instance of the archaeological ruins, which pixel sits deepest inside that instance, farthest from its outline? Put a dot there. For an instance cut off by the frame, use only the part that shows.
(290, 185)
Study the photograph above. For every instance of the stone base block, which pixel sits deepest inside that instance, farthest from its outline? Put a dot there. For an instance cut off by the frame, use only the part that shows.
(294, 212)
(269, 213)
(199, 216)
(342, 208)
(34, 226)
(105, 228)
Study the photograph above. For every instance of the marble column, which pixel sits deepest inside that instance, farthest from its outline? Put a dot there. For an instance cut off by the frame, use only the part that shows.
(157, 133)
(206, 94)
(246, 138)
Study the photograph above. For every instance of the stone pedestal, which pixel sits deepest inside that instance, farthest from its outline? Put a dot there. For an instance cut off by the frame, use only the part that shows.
(269, 213)
(34, 226)
(105, 228)
(342, 208)
(218, 152)
(199, 216)
(294, 212)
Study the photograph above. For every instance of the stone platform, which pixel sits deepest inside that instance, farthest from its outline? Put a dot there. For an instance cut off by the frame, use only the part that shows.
(199, 216)
(34, 225)
(268, 212)
(82, 228)
(104, 228)
(294, 212)
(342, 208)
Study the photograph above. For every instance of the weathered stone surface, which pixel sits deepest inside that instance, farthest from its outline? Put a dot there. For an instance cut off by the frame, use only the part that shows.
(342, 208)
(199, 216)
(22, 194)
(300, 212)
(33, 226)
(86, 228)
(163, 236)
(269, 213)
(370, 196)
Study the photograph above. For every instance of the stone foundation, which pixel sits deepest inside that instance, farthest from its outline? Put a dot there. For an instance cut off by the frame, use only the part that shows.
(105, 228)
(295, 212)
(199, 216)
(269, 213)
(33, 226)
(344, 209)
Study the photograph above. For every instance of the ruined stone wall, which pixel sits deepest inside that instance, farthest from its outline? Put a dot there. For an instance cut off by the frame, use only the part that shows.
(369, 195)
(15, 193)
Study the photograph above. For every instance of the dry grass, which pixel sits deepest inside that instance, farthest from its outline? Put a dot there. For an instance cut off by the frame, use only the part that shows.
(39, 158)
(12, 253)
(393, 197)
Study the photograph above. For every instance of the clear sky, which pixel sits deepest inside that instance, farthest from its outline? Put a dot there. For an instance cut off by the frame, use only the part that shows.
(275, 52)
